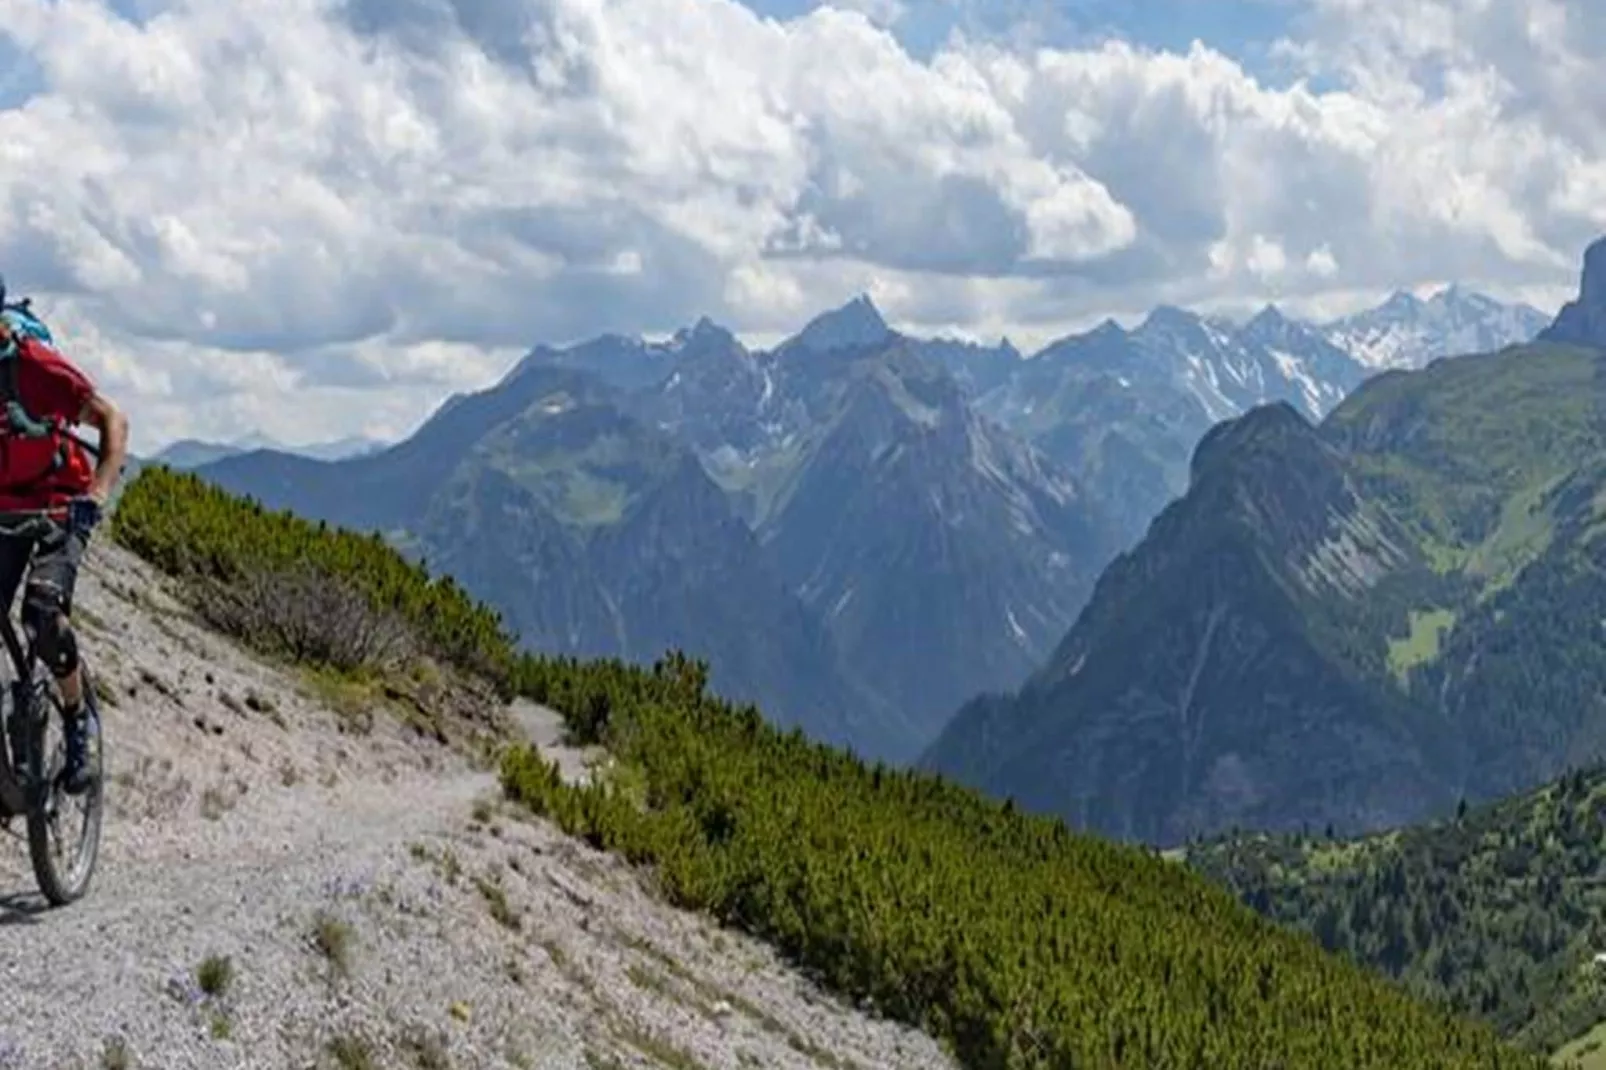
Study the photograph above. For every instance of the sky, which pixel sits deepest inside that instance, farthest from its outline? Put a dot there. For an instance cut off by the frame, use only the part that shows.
(317, 218)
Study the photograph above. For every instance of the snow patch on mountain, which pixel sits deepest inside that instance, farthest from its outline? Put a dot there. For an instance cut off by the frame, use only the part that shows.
(1408, 332)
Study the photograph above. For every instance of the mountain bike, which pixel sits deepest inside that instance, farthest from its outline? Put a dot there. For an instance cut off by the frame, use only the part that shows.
(30, 774)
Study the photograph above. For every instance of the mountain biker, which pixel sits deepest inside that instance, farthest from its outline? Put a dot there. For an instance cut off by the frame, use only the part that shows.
(48, 469)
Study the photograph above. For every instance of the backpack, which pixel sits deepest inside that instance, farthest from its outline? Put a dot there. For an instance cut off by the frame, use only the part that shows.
(19, 315)
(22, 320)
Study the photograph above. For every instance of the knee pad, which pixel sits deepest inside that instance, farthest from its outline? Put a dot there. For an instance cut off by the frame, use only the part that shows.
(54, 640)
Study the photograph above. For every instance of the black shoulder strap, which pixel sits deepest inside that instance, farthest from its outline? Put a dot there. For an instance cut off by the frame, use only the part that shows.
(8, 378)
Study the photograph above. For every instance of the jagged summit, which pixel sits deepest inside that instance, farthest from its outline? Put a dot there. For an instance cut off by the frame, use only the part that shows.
(1582, 321)
(704, 333)
(1406, 331)
(852, 326)
(1271, 321)
(1169, 317)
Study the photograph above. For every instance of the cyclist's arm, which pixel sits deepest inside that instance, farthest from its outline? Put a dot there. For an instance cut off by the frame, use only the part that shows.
(103, 413)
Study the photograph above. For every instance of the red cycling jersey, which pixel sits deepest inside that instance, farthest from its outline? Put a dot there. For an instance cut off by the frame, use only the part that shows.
(41, 473)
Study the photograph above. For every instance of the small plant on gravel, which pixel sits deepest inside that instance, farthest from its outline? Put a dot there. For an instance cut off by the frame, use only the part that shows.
(596, 1060)
(554, 950)
(496, 898)
(351, 1052)
(332, 938)
(427, 1048)
(221, 1027)
(215, 974)
(214, 804)
(114, 1055)
(105, 693)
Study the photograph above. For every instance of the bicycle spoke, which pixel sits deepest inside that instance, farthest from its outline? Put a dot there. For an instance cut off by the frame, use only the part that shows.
(64, 832)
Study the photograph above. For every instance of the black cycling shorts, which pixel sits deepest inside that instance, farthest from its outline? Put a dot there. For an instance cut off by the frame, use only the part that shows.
(54, 566)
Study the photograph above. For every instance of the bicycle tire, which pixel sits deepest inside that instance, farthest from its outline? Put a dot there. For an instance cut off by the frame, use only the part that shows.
(61, 889)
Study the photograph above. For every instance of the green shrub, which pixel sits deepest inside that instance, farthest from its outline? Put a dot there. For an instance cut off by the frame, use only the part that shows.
(1016, 941)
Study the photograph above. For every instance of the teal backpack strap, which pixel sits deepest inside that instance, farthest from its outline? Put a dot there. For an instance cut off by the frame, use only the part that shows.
(21, 421)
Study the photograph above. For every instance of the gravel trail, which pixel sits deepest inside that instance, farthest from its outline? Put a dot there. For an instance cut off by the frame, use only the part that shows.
(377, 904)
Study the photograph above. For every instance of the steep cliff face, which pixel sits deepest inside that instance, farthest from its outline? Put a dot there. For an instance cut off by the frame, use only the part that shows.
(1582, 321)
(1141, 724)
(945, 556)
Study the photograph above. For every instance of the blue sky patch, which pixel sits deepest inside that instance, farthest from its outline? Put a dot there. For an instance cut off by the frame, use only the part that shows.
(1244, 29)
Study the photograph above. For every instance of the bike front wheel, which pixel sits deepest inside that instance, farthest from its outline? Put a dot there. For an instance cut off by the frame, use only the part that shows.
(62, 844)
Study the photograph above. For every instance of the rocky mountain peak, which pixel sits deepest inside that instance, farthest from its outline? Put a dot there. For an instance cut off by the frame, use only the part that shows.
(852, 326)
(1582, 321)
(1400, 302)
(1270, 323)
(704, 331)
(1169, 318)
(1274, 426)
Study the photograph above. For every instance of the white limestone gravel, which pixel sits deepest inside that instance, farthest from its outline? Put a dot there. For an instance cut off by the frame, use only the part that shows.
(245, 817)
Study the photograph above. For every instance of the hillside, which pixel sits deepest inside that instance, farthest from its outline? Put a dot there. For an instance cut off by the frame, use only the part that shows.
(1357, 622)
(594, 534)
(1496, 913)
(995, 931)
(371, 893)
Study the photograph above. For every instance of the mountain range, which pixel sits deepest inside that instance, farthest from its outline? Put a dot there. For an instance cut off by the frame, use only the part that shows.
(860, 530)
(187, 453)
(1355, 622)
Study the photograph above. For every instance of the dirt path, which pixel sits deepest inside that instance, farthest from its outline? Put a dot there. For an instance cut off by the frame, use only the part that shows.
(371, 894)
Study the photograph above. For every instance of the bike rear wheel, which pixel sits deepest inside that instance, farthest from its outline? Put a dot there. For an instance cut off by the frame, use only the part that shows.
(63, 873)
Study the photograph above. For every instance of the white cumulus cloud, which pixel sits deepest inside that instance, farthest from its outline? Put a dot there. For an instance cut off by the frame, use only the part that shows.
(318, 217)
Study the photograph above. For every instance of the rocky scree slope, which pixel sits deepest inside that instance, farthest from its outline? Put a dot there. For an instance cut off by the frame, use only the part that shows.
(371, 895)
(1357, 623)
